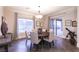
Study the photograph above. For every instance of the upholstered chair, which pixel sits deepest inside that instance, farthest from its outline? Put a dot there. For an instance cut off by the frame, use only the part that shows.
(50, 39)
(34, 39)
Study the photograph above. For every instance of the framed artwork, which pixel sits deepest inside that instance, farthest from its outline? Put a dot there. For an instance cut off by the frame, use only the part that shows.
(74, 24)
(41, 24)
(37, 23)
(68, 23)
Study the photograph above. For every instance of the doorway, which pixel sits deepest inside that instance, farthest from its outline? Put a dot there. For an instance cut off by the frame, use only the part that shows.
(57, 26)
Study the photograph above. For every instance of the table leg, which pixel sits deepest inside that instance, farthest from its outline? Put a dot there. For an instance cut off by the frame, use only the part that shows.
(6, 48)
(42, 42)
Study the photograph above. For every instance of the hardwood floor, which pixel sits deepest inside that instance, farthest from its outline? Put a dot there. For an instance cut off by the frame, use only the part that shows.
(61, 45)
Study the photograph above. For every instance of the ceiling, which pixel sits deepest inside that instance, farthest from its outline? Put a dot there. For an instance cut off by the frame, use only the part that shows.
(43, 9)
(46, 7)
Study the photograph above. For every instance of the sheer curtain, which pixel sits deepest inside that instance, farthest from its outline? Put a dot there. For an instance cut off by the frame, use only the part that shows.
(15, 26)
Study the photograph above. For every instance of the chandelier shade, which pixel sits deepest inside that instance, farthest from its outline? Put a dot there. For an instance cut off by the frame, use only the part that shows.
(39, 16)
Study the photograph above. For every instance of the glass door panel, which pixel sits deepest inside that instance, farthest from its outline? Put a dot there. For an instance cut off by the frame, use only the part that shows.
(56, 25)
(59, 31)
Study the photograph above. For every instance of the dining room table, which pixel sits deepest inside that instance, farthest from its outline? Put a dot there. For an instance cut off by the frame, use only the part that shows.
(42, 36)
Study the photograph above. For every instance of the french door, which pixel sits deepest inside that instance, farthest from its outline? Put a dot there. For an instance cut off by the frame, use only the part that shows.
(56, 25)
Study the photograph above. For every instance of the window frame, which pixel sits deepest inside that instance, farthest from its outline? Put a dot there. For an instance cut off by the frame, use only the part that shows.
(23, 18)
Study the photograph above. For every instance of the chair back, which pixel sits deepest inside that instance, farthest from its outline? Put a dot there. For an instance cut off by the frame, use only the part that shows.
(34, 30)
(26, 34)
(34, 37)
(51, 35)
(44, 30)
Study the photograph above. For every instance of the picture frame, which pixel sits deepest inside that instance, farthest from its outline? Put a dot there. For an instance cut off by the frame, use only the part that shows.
(41, 24)
(37, 23)
(68, 23)
(74, 23)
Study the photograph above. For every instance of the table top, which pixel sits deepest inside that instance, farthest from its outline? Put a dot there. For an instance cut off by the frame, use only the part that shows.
(43, 34)
(4, 40)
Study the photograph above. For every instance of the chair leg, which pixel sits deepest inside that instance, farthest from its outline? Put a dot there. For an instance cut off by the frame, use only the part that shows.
(26, 42)
(31, 46)
(50, 45)
(37, 47)
(6, 48)
(53, 43)
(46, 44)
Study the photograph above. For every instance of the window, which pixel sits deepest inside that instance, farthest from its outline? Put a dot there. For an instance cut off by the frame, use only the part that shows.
(24, 25)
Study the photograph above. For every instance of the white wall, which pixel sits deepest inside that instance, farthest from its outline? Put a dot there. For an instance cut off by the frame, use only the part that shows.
(78, 27)
(45, 22)
(1, 14)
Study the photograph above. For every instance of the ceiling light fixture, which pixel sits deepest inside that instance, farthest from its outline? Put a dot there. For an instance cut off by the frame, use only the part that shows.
(39, 16)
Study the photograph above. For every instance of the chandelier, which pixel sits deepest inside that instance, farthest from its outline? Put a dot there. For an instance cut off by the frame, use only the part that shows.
(39, 16)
